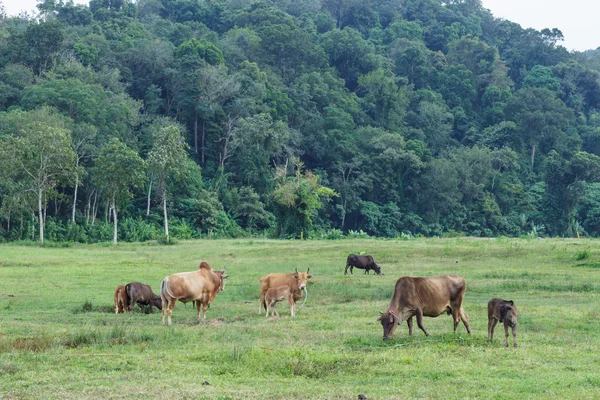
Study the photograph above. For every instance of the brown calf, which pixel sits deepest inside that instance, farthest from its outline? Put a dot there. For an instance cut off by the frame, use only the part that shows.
(504, 311)
(121, 300)
(295, 281)
(275, 295)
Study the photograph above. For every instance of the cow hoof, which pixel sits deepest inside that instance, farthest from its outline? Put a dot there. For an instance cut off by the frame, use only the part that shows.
(387, 338)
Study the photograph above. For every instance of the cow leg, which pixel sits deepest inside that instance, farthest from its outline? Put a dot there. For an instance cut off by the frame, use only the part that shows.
(261, 303)
(514, 333)
(465, 320)
(351, 269)
(204, 307)
(346, 270)
(409, 322)
(491, 325)
(506, 332)
(198, 308)
(170, 308)
(419, 315)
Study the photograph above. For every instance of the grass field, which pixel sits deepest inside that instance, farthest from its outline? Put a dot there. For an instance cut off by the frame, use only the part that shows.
(59, 337)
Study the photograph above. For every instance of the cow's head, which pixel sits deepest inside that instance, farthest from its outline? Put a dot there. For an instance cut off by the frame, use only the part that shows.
(301, 278)
(389, 320)
(222, 276)
(508, 313)
(377, 269)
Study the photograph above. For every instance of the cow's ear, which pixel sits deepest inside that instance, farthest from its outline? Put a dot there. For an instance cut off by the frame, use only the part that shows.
(225, 276)
(511, 302)
(295, 276)
(308, 276)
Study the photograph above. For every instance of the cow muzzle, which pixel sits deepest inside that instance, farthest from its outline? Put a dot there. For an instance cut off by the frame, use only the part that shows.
(302, 287)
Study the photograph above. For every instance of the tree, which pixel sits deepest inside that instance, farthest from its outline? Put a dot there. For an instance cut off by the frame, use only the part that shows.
(167, 160)
(37, 146)
(297, 199)
(118, 170)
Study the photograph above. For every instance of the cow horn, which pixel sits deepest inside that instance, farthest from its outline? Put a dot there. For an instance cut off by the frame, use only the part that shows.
(308, 269)
(296, 269)
(224, 267)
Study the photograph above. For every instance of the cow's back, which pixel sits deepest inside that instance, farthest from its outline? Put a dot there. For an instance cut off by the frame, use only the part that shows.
(275, 280)
(190, 285)
(430, 294)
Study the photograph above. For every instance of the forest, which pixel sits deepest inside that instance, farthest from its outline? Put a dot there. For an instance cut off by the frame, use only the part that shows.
(160, 119)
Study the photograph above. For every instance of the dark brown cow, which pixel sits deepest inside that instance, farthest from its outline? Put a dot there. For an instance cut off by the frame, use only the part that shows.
(504, 311)
(429, 297)
(275, 295)
(362, 262)
(200, 286)
(142, 295)
(121, 299)
(295, 281)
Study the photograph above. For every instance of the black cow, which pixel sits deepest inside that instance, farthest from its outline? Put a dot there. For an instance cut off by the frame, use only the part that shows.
(142, 295)
(363, 262)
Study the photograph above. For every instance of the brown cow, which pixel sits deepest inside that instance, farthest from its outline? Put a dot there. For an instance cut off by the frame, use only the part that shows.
(121, 300)
(295, 281)
(275, 295)
(429, 297)
(362, 262)
(200, 286)
(504, 311)
(142, 295)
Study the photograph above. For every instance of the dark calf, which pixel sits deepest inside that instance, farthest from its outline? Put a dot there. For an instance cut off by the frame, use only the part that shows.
(504, 311)
(362, 262)
(142, 295)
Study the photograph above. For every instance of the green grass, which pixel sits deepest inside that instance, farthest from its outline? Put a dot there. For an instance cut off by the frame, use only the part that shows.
(60, 339)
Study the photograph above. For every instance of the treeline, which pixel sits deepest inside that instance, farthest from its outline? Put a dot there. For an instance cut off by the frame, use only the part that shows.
(190, 118)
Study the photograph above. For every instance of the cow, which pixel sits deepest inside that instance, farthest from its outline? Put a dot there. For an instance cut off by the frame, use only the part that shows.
(142, 295)
(504, 311)
(429, 297)
(295, 281)
(121, 299)
(200, 286)
(362, 262)
(275, 295)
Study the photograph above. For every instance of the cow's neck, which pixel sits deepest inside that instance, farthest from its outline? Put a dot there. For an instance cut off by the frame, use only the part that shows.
(394, 307)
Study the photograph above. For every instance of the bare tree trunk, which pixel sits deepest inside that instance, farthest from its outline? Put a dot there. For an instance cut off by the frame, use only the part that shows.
(196, 132)
(532, 154)
(41, 214)
(149, 191)
(8, 223)
(164, 196)
(203, 139)
(114, 209)
(95, 208)
(75, 198)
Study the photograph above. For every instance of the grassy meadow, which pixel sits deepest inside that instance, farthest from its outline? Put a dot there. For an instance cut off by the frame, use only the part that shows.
(60, 338)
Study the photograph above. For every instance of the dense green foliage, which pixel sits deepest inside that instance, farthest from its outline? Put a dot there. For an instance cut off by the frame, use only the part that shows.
(60, 338)
(414, 117)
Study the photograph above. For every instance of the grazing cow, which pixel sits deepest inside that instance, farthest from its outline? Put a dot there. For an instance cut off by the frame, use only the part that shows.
(504, 311)
(295, 281)
(362, 262)
(121, 299)
(429, 297)
(275, 295)
(142, 295)
(200, 286)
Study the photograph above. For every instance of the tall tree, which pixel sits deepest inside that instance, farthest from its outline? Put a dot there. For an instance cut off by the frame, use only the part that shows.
(167, 160)
(37, 146)
(118, 170)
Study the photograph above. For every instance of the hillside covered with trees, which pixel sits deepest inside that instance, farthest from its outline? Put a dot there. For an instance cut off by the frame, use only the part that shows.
(225, 118)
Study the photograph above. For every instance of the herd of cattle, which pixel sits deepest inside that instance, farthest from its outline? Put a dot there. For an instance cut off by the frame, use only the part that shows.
(413, 296)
